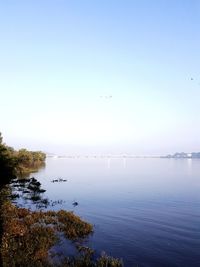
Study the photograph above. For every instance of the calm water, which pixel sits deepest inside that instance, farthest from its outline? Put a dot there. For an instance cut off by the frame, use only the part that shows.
(146, 211)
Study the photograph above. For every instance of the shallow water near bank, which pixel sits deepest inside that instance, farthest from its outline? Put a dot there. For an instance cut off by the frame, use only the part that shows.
(146, 211)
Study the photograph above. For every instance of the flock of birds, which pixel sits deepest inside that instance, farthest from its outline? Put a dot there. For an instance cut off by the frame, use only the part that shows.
(106, 96)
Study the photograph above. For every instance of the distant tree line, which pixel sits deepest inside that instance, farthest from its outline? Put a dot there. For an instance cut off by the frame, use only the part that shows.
(16, 162)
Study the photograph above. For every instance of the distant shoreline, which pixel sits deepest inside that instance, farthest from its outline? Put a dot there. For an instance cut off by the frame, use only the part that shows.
(119, 157)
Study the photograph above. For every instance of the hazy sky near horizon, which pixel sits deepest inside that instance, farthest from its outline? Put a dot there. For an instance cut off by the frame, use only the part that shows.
(60, 61)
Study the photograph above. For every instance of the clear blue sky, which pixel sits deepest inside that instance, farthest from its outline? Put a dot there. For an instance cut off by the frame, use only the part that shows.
(57, 58)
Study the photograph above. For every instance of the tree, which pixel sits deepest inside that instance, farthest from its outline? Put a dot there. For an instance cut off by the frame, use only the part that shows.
(1, 138)
(7, 162)
(13, 163)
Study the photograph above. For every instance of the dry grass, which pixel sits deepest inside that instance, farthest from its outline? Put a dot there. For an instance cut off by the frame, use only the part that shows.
(29, 235)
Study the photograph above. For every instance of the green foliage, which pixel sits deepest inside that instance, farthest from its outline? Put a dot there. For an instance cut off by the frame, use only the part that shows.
(1, 138)
(14, 162)
(29, 161)
(8, 162)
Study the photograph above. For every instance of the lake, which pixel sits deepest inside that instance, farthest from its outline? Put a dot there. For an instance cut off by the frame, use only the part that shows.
(145, 211)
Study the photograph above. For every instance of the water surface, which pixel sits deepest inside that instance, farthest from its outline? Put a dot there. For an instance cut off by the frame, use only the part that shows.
(146, 211)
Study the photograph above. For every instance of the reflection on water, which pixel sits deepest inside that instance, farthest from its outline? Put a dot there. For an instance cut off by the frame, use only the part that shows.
(124, 163)
(108, 163)
(146, 211)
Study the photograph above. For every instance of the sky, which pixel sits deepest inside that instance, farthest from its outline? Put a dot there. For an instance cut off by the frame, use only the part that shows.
(89, 76)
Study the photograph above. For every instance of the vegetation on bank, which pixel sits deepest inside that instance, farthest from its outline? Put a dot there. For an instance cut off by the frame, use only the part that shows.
(16, 163)
(29, 161)
(27, 237)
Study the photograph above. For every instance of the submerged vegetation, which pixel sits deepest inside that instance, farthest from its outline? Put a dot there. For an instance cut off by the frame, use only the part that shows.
(27, 237)
(30, 234)
(29, 190)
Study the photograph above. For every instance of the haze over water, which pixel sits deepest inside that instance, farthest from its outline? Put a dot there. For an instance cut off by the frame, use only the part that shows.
(110, 77)
(145, 211)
